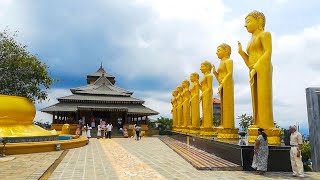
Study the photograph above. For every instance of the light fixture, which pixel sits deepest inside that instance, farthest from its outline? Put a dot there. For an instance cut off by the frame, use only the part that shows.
(58, 147)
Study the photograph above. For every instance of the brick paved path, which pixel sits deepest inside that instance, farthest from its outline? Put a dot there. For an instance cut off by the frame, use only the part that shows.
(28, 166)
(149, 158)
(88, 162)
(127, 165)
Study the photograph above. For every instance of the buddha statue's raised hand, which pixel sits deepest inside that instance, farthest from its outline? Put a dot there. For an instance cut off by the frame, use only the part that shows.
(239, 47)
(213, 68)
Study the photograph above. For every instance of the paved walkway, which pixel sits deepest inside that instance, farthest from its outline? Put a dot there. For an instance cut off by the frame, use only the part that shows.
(88, 162)
(199, 159)
(28, 166)
(149, 158)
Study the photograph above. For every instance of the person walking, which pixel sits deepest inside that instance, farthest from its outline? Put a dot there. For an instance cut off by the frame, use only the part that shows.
(109, 130)
(137, 129)
(261, 151)
(99, 131)
(295, 152)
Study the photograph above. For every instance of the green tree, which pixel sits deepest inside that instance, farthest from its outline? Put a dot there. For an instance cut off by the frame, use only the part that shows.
(245, 122)
(45, 125)
(164, 124)
(151, 124)
(21, 73)
(216, 120)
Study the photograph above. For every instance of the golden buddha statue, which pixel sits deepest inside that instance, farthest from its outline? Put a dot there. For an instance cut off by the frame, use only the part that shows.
(16, 118)
(206, 98)
(65, 129)
(258, 60)
(224, 76)
(179, 108)
(186, 105)
(195, 104)
(174, 109)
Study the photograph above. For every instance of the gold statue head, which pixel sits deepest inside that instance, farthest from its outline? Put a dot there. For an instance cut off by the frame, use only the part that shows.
(194, 77)
(255, 21)
(206, 67)
(179, 89)
(174, 93)
(185, 83)
(223, 50)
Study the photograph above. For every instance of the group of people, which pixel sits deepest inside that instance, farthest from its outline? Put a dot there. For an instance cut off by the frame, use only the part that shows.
(106, 128)
(261, 151)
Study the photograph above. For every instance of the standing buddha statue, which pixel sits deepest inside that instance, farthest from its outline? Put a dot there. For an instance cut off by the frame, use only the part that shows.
(206, 128)
(195, 104)
(174, 109)
(258, 59)
(179, 109)
(224, 76)
(186, 105)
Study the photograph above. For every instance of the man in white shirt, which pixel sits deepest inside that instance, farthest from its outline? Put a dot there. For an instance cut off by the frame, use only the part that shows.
(295, 152)
(109, 130)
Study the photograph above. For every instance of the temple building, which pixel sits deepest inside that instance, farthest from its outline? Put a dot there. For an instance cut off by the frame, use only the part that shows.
(216, 107)
(100, 100)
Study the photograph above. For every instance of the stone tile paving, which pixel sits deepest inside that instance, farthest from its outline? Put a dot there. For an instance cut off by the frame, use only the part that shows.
(169, 164)
(88, 162)
(108, 159)
(127, 165)
(28, 166)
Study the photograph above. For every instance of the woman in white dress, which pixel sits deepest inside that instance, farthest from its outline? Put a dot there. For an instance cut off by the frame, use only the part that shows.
(84, 132)
(89, 131)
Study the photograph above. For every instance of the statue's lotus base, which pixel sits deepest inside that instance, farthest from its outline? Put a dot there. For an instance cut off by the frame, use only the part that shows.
(177, 129)
(207, 132)
(194, 130)
(227, 133)
(21, 130)
(185, 130)
(272, 133)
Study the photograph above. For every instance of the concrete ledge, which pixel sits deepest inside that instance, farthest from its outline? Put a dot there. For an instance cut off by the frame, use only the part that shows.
(278, 160)
(45, 146)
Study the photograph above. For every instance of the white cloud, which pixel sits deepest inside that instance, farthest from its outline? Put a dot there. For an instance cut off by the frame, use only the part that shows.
(175, 37)
(296, 67)
(281, 1)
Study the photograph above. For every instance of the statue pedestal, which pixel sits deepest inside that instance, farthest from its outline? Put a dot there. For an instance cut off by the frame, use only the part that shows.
(174, 128)
(227, 133)
(194, 130)
(185, 129)
(204, 131)
(272, 133)
(178, 129)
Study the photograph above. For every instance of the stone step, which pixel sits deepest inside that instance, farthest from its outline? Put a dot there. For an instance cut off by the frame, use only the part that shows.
(199, 159)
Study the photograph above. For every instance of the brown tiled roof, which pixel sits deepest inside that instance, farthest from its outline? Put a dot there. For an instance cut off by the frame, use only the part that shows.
(72, 107)
(102, 86)
(102, 95)
(100, 72)
(215, 100)
(97, 98)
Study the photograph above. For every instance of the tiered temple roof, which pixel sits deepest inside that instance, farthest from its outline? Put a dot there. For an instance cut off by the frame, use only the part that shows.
(100, 94)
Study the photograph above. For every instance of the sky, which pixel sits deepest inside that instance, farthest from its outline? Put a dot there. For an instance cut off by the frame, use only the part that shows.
(151, 46)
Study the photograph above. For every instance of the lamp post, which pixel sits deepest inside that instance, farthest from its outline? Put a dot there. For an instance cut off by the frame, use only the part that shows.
(4, 142)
